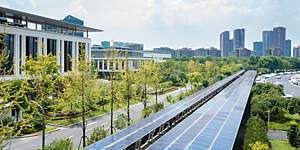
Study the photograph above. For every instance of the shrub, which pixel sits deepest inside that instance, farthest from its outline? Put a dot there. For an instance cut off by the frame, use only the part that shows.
(256, 132)
(180, 97)
(170, 99)
(63, 144)
(147, 112)
(157, 107)
(121, 122)
(97, 135)
(293, 134)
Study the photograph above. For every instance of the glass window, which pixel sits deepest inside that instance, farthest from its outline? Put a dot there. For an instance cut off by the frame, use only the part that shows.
(8, 46)
(31, 46)
(51, 47)
(68, 56)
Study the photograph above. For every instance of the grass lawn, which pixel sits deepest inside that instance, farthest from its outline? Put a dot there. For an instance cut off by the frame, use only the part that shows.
(47, 130)
(293, 117)
(279, 126)
(281, 145)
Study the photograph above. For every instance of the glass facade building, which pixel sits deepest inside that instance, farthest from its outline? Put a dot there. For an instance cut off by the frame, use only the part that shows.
(225, 43)
(258, 48)
(279, 37)
(238, 38)
(267, 37)
(288, 48)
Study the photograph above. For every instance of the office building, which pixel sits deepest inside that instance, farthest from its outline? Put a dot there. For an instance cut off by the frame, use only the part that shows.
(166, 50)
(159, 57)
(238, 38)
(200, 52)
(296, 51)
(288, 48)
(23, 41)
(267, 37)
(242, 52)
(231, 49)
(274, 52)
(213, 52)
(225, 43)
(258, 48)
(185, 52)
(279, 37)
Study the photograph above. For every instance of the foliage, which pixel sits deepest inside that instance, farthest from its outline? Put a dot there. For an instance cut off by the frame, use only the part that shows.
(63, 144)
(98, 134)
(158, 107)
(293, 134)
(256, 132)
(147, 112)
(259, 146)
(121, 122)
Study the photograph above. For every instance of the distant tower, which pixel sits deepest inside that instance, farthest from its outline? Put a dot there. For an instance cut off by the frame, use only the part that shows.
(267, 37)
(258, 48)
(224, 43)
(238, 38)
(288, 48)
(279, 36)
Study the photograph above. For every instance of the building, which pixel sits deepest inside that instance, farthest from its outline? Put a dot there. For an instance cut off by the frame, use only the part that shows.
(279, 39)
(200, 52)
(24, 41)
(288, 48)
(159, 57)
(296, 51)
(274, 52)
(185, 52)
(225, 43)
(242, 52)
(166, 50)
(68, 19)
(258, 48)
(213, 52)
(267, 37)
(238, 38)
(231, 49)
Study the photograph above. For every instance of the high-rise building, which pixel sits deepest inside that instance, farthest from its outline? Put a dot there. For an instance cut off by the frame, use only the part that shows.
(279, 36)
(267, 37)
(200, 52)
(231, 50)
(296, 51)
(242, 52)
(185, 52)
(258, 48)
(238, 38)
(274, 52)
(288, 48)
(224, 44)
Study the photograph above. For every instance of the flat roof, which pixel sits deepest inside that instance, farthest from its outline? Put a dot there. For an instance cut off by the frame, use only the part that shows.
(10, 13)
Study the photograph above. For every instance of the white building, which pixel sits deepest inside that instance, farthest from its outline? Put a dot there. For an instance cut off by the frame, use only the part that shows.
(159, 57)
(26, 37)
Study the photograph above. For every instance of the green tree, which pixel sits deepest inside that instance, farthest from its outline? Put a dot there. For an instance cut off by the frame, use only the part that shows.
(63, 144)
(293, 134)
(98, 134)
(256, 131)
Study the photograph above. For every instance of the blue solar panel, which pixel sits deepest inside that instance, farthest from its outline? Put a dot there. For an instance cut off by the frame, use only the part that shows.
(217, 123)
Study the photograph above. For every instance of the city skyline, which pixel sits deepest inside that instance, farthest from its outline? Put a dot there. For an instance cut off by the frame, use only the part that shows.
(179, 24)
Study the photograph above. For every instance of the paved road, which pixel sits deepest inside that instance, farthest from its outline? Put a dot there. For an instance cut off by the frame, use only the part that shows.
(75, 131)
(289, 88)
(277, 135)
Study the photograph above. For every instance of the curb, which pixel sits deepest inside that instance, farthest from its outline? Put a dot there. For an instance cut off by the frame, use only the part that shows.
(27, 136)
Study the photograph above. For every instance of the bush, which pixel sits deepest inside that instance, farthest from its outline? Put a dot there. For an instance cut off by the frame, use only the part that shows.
(147, 112)
(293, 135)
(97, 135)
(170, 99)
(180, 97)
(256, 131)
(63, 144)
(121, 122)
(157, 107)
(205, 83)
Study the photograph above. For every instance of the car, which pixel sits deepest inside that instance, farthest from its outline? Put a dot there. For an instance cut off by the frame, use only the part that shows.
(278, 77)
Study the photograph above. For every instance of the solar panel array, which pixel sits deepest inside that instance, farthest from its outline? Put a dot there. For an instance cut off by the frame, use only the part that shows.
(135, 133)
(215, 124)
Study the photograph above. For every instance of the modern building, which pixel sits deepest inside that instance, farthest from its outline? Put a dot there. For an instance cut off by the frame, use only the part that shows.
(274, 52)
(200, 52)
(267, 39)
(225, 43)
(166, 50)
(159, 57)
(288, 48)
(185, 52)
(258, 48)
(242, 52)
(68, 19)
(24, 41)
(238, 38)
(213, 52)
(296, 51)
(279, 39)
(231, 49)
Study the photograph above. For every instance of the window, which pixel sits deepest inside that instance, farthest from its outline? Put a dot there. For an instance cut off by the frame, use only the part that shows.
(68, 56)
(31, 46)
(51, 47)
(8, 46)
(100, 65)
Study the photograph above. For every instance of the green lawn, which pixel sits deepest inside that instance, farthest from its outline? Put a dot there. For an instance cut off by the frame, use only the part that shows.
(292, 117)
(279, 126)
(281, 145)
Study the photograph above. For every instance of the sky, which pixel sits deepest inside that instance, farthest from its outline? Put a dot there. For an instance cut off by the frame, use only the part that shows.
(172, 23)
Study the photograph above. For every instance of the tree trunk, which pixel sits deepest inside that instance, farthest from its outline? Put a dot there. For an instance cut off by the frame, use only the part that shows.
(83, 119)
(128, 104)
(43, 134)
(111, 106)
(156, 95)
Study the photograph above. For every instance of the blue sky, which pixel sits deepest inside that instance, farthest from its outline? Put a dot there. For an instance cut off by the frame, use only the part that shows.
(172, 23)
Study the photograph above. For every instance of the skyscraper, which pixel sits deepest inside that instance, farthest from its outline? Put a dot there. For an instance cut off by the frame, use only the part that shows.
(224, 44)
(238, 38)
(288, 48)
(279, 36)
(296, 51)
(231, 51)
(258, 48)
(267, 37)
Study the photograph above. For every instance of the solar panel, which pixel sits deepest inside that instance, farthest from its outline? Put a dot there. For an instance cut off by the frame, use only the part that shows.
(215, 124)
